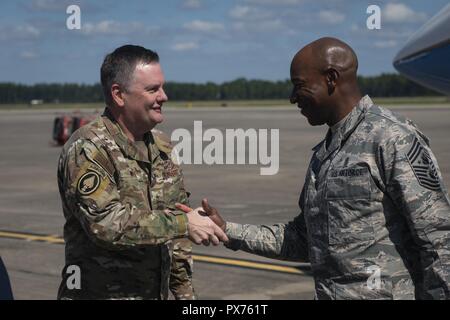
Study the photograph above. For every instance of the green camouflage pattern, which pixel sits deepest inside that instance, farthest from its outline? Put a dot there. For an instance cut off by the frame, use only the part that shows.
(373, 200)
(122, 228)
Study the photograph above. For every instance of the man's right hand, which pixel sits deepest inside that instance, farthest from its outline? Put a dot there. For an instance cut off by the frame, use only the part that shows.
(214, 215)
(201, 228)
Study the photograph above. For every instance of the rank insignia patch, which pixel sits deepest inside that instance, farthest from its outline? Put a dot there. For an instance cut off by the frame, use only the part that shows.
(423, 166)
(88, 183)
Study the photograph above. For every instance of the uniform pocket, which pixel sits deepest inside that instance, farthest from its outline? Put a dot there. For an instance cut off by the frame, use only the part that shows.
(348, 183)
(350, 214)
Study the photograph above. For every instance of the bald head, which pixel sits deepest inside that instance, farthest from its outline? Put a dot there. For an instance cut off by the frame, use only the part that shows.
(324, 75)
(326, 53)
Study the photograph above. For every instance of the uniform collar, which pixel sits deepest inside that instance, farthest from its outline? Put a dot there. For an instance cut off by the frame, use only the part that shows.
(345, 129)
(152, 147)
(128, 147)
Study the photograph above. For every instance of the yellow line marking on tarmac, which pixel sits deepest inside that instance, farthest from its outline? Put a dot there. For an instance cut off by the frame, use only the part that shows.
(247, 264)
(200, 258)
(30, 237)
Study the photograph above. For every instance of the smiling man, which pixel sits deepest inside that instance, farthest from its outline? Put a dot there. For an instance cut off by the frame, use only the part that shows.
(119, 185)
(374, 216)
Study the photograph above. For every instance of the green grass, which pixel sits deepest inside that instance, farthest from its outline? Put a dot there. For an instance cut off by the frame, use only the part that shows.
(228, 103)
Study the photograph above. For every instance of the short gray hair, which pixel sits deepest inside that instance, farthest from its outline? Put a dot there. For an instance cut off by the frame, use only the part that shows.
(119, 65)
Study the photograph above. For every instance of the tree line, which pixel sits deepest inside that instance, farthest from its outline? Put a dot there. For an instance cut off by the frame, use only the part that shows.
(384, 85)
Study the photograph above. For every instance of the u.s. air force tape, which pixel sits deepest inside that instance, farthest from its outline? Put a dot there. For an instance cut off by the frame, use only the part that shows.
(423, 166)
(88, 183)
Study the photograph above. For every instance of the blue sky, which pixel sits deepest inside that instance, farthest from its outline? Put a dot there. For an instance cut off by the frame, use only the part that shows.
(197, 40)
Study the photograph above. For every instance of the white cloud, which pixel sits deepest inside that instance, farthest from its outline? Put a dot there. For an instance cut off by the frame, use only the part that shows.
(21, 32)
(272, 25)
(102, 27)
(240, 12)
(60, 6)
(260, 26)
(249, 13)
(398, 33)
(276, 2)
(399, 13)
(28, 55)
(385, 44)
(110, 27)
(49, 5)
(192, 4)
(249, 19)
(331, 17)
(185, 46)
(204, 26)
(28, 31)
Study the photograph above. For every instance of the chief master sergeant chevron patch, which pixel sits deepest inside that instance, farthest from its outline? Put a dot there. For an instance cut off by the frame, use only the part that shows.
(423, 166)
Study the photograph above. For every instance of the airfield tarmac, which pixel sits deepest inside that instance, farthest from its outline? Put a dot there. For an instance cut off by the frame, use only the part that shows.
(30, 205)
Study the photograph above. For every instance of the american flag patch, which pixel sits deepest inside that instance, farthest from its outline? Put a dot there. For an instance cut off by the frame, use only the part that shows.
(423, 166)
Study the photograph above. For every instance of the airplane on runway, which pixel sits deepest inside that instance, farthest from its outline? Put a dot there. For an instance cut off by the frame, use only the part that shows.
(425, 58)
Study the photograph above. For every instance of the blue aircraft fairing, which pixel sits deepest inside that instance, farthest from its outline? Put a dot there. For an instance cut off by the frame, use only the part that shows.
(425, 58)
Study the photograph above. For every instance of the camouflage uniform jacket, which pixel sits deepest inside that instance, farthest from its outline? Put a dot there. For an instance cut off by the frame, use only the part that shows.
(375, 215)
(122, 229)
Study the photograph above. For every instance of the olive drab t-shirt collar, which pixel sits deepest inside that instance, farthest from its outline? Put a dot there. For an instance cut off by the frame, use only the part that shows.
(129, 148)
(344, 129)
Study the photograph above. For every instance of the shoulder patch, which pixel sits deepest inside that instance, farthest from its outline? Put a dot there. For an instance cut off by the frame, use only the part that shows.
(99, 159)
(162, 141)
(423, 166)
(88, 183)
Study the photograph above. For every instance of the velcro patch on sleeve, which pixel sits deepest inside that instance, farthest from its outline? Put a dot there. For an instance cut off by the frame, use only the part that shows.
(88, 183)
(423, 166)
(99, 159)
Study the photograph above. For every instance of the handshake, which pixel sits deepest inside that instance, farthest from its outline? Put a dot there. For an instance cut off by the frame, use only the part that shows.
(205, 224)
